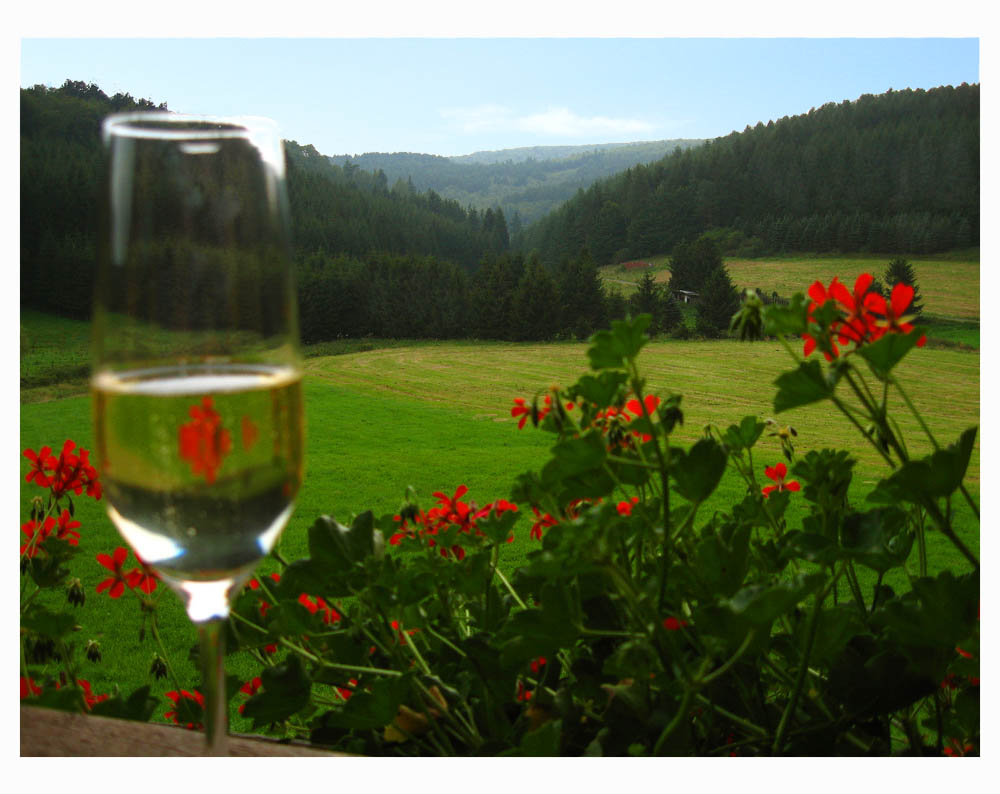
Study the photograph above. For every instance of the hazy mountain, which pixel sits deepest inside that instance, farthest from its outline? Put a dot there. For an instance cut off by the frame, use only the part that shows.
(522, 153)
(526, 182)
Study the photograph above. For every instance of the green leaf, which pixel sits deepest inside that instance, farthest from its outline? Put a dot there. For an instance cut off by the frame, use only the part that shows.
(612, 349)
(543, 741)
(699, 472)
(745, 434)
(801, 386)
(333, 544)
(576, 469)
(603, 389)
(139, 706)
(877, 539)
(939, 612)
(790, 320)
(928, 479)
(810, 546)
(887, 352)
(870, 680)
(836, 627)
(721, 562)
(285, 690)
(762, 604)
(54, 625)
(371, 708)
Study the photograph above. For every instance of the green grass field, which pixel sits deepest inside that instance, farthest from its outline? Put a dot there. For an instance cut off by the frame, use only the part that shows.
(384, 416)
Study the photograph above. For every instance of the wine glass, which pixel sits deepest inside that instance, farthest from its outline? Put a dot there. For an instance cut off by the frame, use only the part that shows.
(197, 374)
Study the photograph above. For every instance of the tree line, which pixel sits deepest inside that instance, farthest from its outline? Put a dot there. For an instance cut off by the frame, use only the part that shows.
(887, 173)
(336, 211)
(389, 260)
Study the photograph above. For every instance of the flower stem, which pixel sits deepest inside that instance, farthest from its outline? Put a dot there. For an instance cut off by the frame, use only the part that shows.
(793, 701)
(510, 588)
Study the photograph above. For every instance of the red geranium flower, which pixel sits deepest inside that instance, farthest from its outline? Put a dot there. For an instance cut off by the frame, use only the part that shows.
(635, 407)
(89, 697)
(673, 624)
(345, 692)
(820, 295)
(250, 689)
(67, 529)
(519, 409)
(330, 615)
(544, 520)
(777, 473)
(67, 474)
(142, 577)
(858, 324)
(115, 584)
(29, 688)
(39, 463)
(625, 508)
(203, 440)
(176, 697)
(956, 748)
(37, 532)
(895, 319)
(253, 584)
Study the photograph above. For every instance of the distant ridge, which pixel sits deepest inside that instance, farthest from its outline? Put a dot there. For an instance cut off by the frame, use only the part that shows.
(522, 153)
(525, 182)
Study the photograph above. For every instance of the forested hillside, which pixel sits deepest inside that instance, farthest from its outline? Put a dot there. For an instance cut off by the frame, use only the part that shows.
(524, 183)
(335, 211)
(893, 172)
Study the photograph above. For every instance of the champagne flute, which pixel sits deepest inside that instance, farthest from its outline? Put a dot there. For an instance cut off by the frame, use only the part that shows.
(197, 371)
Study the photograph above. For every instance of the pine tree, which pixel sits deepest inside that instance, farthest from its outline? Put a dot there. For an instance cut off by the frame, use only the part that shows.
(692, 263)
(901, 271)
(718, 302)
(533, 315)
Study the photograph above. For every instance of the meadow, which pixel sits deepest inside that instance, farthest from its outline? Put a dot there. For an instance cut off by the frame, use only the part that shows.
(385, 415)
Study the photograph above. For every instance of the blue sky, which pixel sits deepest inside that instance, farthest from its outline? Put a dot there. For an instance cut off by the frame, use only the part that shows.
(453, 96)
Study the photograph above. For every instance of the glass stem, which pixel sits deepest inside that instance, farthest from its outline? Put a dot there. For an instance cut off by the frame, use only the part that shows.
(213, 677)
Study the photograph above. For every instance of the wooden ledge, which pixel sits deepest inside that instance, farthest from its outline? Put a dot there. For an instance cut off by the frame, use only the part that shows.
(47, 732)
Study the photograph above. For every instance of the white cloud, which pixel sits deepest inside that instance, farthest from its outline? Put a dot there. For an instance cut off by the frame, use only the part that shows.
(558, 121)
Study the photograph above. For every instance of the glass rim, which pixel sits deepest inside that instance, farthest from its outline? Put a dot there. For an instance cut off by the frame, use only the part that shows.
(164, 125)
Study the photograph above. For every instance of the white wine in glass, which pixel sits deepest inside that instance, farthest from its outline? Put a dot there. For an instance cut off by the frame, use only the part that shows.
(197, 373)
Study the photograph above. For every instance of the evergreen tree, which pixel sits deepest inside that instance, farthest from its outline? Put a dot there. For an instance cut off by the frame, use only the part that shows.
(718, 302)
(647, 296)
(533, 315)
(901, 271)
(670, 313)
(692, 263)
(581, 297)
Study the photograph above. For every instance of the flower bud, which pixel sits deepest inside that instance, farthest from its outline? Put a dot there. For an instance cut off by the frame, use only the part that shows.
(75, 593)
(93, 651)
(158, 669)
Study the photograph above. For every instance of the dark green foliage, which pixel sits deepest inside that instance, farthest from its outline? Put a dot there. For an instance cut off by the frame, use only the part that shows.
(894, 172)
(581, 297)
(899, 271)
(692, 263)
(717, 303)
(655, 300)
(533, 308)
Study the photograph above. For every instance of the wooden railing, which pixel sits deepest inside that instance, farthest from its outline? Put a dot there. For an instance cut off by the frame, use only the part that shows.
(46, 732)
